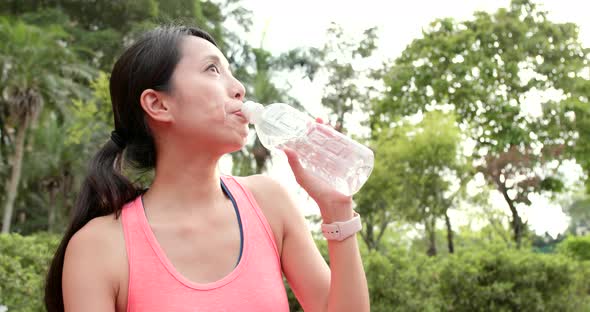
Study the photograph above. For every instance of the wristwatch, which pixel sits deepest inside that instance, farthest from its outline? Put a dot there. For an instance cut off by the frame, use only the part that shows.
(342, 230)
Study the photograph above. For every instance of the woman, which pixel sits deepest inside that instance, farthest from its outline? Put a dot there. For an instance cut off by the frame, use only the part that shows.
(195, 240)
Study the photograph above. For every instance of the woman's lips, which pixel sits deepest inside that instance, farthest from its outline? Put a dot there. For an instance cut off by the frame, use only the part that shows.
(241, 115)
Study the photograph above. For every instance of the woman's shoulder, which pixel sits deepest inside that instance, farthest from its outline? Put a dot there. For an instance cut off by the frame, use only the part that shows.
(95, 254)
(100, 230)
(265, 189)
(274, 201)
(258, 182)
(99, 243)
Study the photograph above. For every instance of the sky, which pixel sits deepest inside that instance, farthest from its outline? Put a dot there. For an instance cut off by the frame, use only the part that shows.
(281, 25)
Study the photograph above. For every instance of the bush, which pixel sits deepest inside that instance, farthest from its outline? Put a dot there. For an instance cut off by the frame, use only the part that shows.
(398, 280)
(511, 280)
(23, 264)
(401, 281)
(577, 247)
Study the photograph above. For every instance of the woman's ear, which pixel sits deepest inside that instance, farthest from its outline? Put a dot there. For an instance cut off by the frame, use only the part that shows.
(155, 105)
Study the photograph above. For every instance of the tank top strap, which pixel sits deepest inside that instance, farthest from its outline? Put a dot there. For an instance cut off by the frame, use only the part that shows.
(249, 208)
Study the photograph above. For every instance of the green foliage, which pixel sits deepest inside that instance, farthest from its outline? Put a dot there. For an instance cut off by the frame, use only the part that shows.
(413, 167)
(401, 281)
(577, 247)
(48, 187)
(509, 280)
(92, 119)
(477, 65)
(484, 70)
(39, 70)
(37, 61)
(90, 15)
(487, 277)
(23, 264)
(98, 30)
(342, 94)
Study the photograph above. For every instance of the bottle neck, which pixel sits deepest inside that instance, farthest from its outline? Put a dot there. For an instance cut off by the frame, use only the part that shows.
(253, 111)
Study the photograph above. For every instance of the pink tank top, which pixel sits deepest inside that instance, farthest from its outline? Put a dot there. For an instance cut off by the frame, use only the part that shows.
(255, 284)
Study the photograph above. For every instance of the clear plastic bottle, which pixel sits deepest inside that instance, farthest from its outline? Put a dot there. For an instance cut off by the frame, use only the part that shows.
(333, 157)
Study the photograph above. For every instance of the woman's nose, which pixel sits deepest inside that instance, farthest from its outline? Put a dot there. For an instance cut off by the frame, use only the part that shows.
(238, 90)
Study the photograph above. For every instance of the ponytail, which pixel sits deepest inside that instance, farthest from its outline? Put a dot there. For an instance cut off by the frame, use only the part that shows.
(104, 191)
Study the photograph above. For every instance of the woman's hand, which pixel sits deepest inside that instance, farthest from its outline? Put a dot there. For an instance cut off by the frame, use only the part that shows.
(334, 206)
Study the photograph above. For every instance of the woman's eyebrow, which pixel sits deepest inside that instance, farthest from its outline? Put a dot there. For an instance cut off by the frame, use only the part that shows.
(214, 58)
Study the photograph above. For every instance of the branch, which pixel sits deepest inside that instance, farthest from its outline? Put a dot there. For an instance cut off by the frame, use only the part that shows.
(384, 225)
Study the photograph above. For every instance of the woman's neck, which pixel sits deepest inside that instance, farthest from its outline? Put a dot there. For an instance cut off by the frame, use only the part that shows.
(184, 186)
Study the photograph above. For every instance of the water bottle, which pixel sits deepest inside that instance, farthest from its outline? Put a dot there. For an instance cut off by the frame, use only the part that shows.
(328, 154)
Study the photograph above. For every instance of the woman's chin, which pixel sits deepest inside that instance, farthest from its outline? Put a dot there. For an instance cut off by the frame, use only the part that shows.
(235, 146)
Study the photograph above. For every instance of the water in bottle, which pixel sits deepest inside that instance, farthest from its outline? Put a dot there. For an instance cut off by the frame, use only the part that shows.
(331, 156)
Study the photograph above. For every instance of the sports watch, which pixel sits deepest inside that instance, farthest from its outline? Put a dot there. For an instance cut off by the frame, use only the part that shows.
(342, 230)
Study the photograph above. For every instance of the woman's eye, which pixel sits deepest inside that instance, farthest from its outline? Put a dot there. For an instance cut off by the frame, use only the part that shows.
(213, 68)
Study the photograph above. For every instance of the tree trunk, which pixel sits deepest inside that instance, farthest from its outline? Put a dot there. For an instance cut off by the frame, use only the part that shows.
(518, 230)
(449, 233)
(368, 235)
(431, 231)
(517, 227)
(12, 185)
(339, 126)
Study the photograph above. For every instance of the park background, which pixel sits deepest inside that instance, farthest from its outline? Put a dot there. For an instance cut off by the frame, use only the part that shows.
(478, 113)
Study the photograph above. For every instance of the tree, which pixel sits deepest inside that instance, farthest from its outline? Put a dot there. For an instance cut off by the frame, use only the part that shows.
(339, 62)
(487, 70)
(38, 68)
(414, 168)
(48, 184)
(96, 30)
(98, 15)
(99, 29)
(342, 93)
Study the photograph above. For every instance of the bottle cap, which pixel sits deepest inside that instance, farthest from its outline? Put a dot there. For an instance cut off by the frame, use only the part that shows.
(252, 111)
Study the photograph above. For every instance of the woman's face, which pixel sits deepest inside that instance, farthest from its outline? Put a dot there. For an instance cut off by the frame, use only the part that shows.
(205, 98)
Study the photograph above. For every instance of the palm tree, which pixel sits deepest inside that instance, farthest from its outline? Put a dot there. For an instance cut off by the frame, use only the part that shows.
(36, 68)
(47, 181)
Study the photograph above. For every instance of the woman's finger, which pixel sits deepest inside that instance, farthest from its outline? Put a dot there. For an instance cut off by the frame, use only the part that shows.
(293, 160)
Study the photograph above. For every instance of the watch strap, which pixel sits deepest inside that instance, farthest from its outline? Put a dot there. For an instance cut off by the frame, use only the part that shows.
(341, 230)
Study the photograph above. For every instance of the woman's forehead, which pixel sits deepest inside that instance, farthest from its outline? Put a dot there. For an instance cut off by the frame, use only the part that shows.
(201, 50)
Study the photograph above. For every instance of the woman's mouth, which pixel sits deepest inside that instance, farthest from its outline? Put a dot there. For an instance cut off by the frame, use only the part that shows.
(241, 115)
